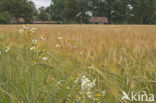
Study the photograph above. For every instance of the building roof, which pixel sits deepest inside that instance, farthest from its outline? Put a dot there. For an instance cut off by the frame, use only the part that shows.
(43, 22)
(98, 19)
(21, 20)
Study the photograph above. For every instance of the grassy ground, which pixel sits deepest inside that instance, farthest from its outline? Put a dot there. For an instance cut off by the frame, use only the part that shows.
(76, 63)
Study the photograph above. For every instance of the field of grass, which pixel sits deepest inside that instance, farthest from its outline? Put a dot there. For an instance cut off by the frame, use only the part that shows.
(76, 63)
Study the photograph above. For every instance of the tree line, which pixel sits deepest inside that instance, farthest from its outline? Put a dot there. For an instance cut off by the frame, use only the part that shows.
(79, 11)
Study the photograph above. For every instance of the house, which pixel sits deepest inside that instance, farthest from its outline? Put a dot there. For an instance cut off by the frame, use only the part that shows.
(18, 21)
(98, 20)
(21, 21)
(43, 22)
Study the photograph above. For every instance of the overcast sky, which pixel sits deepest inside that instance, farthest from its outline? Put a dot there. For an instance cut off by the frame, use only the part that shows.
(40, 3)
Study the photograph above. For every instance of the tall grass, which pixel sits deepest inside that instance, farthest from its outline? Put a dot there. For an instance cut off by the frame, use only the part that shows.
(121, 58)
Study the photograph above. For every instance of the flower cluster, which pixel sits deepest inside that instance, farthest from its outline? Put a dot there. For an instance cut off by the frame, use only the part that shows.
(87, 88)
(87, 85)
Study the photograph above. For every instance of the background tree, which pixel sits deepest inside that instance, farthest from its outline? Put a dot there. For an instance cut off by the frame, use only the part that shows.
(18, 8)
(56, 10)
(43, 14)
(142, 10)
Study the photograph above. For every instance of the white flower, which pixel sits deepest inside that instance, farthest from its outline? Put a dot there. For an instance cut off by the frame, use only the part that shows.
(75, 46)
(81, 53)
(78, 98)
(68, 88)
(45, 58)
(94, 82)
(25, 26)
(32, 48)
(83, 77)
(77, 79)
(34, 41)
(60, 38)
(21, 31)
(89, 94)
(57, 46)
(7, 49)
(33, 30)
(103, 93)
(43, 37)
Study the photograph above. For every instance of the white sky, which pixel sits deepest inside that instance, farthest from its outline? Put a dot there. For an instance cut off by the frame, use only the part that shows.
(40, 3)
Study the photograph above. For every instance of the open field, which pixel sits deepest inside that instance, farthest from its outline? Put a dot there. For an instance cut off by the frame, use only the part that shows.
(76, 63)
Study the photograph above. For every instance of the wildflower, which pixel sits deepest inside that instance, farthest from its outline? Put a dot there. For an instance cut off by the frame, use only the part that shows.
(103, 93)
(81, 53)
(57, 46)
(60, 38)
(89, 94)
(25, 26)
(78, 98)
(45, 50)
(32, 48)
(76, 81)
(33, 62)
(68, 41)
(83, 77)
(21, 31)
(98, 95)
(33, 30)
(29, 32)
(91, 57)
(94, 82)
(75, 45)
(34, 41)
(68, 88)
(43, 37)
(7, 49)
(45, 58)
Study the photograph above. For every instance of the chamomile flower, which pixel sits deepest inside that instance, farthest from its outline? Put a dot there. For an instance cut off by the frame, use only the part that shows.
(43, 37)
(82, 53)
(103, 93)
(91, 57)
(45, 58)
(68, 88)
(60, 38)
(21, 31)
(32, 48)
(78, 98)
(25, 26)
(83, 78)
(76, 45)
(94, 82)
(34, 41)
(33, 30)
(89, 94)
(7, 49)
(57, 46)
(33, 62)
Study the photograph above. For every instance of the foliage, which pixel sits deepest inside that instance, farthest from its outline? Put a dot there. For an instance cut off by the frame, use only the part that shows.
(19, 8)
(43, 15)
(4, 18)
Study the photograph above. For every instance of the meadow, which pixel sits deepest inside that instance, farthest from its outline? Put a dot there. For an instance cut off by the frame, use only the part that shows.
(76, 63)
